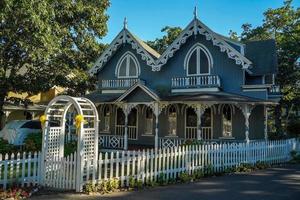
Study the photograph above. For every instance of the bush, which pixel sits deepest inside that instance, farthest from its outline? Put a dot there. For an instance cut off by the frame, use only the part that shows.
(7, 148)
(184, 177)
(70, 147)
(293, 128)
(33, 142)
(162, 179)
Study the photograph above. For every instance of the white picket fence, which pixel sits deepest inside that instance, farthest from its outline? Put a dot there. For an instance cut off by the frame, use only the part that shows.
(150, 164)
(22, 169)
(147, 165)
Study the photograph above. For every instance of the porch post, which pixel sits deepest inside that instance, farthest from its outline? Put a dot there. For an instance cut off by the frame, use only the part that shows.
(156, 113)
(126, 131)
(266, 122)
(199, 112)
(246, 109)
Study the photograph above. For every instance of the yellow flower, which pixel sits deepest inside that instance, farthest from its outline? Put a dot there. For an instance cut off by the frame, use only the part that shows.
(78, 120)
(43, 119)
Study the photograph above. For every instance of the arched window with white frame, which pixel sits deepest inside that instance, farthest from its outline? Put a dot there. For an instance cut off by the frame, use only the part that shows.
(198, 61)
(227, 121)
(128, 66)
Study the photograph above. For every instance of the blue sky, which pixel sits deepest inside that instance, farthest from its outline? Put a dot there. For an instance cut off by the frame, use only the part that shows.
(147, 17)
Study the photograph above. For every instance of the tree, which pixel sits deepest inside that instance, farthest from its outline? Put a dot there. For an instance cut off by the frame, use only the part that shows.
(282, 24)
(161, 44)
(45, 43)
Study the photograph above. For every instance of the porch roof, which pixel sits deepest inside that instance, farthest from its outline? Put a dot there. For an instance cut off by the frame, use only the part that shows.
(221, 97)
(216, 97)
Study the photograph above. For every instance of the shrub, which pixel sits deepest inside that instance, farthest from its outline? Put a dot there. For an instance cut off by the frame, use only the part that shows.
(33, 142)
(70, 148)
(184, 177)
(139, 185)
(131, 182)
(89, 188)
(293, 128)
(162, 179)
(198, 174)
(7, 148)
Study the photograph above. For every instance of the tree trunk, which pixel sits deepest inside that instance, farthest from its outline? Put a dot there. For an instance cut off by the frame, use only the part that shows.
(3, 94)
(278, 120)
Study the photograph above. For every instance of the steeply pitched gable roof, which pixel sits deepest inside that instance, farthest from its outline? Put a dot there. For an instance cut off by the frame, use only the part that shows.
(263, 55)
(156, 61)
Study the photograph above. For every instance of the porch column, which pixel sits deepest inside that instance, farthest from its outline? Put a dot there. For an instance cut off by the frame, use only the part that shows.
(199, 112)
(126, 131)
(266, 122)
(5, 117)
(246, 109)
(126, 109)
(156, 112)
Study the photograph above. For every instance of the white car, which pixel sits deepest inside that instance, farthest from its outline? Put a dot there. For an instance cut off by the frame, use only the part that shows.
(16, 131)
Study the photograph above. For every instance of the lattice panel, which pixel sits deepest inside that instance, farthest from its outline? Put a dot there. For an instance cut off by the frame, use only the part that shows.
(88, 142)
(53, 145)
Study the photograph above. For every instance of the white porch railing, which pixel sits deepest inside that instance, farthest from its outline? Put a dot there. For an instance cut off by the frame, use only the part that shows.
(169, 142)
(120, 83)
(111, 141)
(191, 133)
(274, 89)
(132, 131)
(196, 81)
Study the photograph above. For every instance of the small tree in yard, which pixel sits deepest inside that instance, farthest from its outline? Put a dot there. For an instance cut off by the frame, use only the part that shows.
(45, 43)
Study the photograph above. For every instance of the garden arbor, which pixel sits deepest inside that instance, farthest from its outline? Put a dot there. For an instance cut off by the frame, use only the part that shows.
(54, 136)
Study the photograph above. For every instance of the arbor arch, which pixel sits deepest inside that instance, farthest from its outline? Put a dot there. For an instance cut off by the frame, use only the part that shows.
(54, 133)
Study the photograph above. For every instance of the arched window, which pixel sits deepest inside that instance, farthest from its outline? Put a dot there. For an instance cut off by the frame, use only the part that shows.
(172, 118)
(128, 66)
(149, 121)
(198, 60)
(106, 116)
(227, 121)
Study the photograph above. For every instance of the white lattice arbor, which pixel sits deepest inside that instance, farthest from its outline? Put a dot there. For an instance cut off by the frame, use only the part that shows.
(54, 135)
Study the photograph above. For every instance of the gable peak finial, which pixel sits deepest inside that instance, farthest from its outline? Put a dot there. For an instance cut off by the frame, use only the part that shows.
(195, 12)
(125, 23)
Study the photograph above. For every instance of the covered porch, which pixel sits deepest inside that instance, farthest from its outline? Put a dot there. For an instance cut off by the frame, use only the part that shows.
(139, 118)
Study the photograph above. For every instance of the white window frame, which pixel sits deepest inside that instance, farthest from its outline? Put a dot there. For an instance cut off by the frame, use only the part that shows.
(127, 56)
(231, 114)
(198, 47)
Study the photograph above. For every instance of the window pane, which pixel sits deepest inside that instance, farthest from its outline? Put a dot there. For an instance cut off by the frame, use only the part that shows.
(122, 69)
(132, 68)
(192, 63)
(148, 126)
(203, 63)
(106, 123)
(172, 121)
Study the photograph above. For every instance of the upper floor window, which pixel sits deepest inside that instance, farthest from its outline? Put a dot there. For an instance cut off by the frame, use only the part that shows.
(128, 66)
(198, 60)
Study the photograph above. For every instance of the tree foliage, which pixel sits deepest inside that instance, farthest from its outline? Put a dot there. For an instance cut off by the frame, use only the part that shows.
(45, 43)
(161, 44)
(282, 24)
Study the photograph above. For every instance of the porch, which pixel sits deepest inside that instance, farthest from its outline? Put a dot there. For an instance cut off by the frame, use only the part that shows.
(168, 124)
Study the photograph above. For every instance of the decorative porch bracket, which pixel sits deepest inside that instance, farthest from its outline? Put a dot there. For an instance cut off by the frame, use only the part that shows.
(126, 109)
(157, 109)
(246, 110)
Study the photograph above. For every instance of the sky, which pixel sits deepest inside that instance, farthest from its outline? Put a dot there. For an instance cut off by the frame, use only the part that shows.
(146, 18)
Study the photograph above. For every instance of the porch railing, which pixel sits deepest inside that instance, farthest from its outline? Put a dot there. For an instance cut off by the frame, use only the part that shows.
(120, 83)
(111, 141)
(196, 81)
(132, 131)
(275, 89)
(191, 133)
